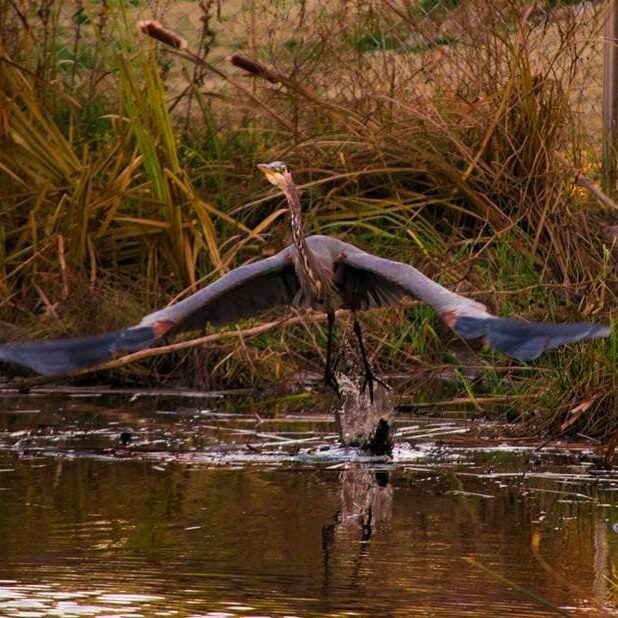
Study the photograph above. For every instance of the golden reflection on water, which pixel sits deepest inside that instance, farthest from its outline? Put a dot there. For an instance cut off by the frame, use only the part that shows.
(163, 533)
(86, 537)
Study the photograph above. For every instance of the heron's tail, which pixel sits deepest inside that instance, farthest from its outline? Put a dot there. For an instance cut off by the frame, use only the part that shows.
(526, 340)
(62, 355)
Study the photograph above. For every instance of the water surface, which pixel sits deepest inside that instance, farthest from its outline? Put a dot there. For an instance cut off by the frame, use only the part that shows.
(163, 507)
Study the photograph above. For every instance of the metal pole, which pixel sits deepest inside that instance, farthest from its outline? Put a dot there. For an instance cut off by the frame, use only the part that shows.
(610, 95)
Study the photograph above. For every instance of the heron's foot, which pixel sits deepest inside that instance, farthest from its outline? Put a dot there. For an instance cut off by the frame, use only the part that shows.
(369, 380)
(331, 380)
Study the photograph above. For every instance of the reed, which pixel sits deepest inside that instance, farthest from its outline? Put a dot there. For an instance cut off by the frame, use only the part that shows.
(440, 133)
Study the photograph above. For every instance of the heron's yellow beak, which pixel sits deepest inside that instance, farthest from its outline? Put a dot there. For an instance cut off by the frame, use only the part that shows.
(276, 172)
(266, 169)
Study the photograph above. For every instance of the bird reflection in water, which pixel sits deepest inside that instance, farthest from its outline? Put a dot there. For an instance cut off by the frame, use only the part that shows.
(365, 507)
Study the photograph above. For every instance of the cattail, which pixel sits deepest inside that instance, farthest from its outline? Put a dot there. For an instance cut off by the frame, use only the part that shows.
(155, 30)
(254, 67)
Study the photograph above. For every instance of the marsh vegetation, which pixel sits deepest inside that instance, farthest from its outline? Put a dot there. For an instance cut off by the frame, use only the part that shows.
(445, 134)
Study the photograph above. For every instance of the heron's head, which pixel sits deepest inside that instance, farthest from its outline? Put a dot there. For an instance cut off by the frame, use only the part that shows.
(276, 173)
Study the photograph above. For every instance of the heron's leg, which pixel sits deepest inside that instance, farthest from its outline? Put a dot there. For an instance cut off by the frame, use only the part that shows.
(329, 374)
(369, 375)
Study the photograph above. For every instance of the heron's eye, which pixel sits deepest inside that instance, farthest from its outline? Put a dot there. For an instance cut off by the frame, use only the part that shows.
(279, 167)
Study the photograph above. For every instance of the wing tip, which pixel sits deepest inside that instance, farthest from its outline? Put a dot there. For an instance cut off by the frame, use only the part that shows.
(527, 340)
(60, 356)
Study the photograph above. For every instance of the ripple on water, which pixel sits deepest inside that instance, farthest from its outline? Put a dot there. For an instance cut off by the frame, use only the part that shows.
(33, 601)
(221, 530)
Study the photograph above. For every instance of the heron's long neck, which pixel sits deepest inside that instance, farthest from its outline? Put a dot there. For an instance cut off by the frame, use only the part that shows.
(306, 260)
(296, 221)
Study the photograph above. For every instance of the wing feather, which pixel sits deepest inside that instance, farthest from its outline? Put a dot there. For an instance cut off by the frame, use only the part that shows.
(468, 318)
(62, 355)
(396, 279)
(243, 292)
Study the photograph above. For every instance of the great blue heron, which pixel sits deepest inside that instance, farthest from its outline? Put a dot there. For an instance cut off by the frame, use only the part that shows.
(320, 272)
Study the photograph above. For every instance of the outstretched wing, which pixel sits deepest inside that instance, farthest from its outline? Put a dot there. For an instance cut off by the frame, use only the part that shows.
(243, 292)
(61, 355)
(375, 281)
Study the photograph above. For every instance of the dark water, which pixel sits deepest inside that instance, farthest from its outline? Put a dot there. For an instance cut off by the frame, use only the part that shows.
(186, 519)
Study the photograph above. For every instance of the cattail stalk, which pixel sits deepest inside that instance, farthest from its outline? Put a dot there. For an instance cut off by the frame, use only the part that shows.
(155, 30)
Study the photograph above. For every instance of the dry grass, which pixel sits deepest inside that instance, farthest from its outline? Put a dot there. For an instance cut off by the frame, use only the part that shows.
(433, 132)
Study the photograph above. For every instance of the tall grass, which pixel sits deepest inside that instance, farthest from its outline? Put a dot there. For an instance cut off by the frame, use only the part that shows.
(422, 131)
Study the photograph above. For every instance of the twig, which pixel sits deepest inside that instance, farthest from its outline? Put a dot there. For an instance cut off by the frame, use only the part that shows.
(246, 432)
(432, 434)
(560, 492)
(533, 595)
(464, 400)
(192, 57)
(259, 70)
(291, 442)
(63, 267)
(177, 45)
(588, 184)
(48, 304)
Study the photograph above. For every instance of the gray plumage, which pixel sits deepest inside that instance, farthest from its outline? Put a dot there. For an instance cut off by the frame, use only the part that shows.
(62, 355)
(319, 272)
